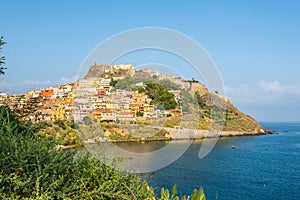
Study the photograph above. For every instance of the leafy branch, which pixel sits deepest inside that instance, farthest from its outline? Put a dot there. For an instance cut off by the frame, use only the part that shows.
(2, 58)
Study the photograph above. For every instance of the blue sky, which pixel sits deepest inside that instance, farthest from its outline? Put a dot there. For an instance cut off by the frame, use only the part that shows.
(255, 44)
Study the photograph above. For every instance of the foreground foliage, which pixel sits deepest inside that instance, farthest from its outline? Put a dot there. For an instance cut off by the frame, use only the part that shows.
(2, 58)
(31, 169)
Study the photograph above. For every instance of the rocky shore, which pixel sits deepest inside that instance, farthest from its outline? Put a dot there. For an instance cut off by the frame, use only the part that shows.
(175, 134)
(200, 134)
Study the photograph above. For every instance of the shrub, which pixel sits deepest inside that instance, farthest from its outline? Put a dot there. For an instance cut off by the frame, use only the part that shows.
(30, 168)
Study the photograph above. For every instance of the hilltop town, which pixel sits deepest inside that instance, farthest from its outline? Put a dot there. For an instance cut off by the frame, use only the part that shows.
(122, 94)
(95, 97)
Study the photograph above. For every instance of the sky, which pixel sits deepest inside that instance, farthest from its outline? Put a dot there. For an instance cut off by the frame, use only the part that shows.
(254, 44)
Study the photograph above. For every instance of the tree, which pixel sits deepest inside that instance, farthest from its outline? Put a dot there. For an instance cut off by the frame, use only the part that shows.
(139, 114)
(160, 96)
(2, 58)
(113, 82)
(141, 90)
(200, 100)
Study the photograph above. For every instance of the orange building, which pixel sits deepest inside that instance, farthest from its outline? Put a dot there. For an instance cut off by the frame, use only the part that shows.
(46, 92)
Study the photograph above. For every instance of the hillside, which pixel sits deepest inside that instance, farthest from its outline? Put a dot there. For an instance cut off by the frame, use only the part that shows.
(234, 119)
(195, 102)
(130, 104)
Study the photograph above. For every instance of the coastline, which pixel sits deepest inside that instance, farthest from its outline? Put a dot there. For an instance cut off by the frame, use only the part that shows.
(198, 134)
(201, 134)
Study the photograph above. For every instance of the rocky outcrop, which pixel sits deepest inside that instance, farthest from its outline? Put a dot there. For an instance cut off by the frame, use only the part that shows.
(110, 71)
(96, 70)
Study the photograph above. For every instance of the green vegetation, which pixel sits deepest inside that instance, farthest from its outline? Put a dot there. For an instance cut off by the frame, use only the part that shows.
(187, 103)
(157, 92)
(139, 114)
(200, 100)
(214, 108)
(31, 169)
(236, 120)
(2, 58)
(141, 89)
(128, 83)
(168, 84)
(160, 96)
(113, 82)
(60, 132)
(193, 81)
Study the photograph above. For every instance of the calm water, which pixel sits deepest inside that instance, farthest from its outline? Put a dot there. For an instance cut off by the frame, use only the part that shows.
(260, 167)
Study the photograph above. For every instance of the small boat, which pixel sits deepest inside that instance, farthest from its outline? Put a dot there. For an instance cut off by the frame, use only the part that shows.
(233, 147)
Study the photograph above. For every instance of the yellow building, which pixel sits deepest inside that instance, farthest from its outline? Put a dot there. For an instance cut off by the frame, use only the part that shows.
(57, 113)
(112, 106)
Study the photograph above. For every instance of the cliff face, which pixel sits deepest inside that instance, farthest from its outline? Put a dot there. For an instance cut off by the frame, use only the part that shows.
(220, 110)
(238, 121)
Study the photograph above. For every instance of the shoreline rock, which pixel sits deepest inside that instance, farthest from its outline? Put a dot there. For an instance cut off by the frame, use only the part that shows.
(204, 134)
(200, 134)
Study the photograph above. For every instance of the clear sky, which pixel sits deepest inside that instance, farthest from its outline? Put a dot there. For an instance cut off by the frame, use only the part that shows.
(255, 44)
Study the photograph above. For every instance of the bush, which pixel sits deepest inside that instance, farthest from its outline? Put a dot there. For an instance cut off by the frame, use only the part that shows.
(60, 123)
(30, 168)
(139, 114)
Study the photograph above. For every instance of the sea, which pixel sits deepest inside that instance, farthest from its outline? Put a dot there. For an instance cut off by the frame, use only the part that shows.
(258, 167)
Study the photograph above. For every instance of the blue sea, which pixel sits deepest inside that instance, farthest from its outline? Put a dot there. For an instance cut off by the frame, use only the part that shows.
(259, 167)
